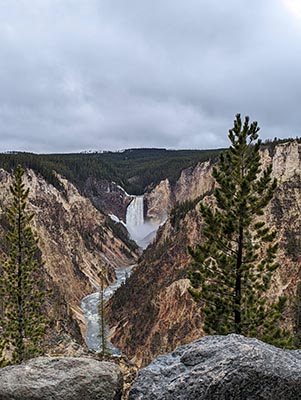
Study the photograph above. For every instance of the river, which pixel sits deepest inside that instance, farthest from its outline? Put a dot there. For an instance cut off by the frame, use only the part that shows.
(90, 305)
(143, 233)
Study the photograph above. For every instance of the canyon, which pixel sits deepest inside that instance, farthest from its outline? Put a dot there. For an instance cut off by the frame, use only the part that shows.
(82, 229)
(75, 240)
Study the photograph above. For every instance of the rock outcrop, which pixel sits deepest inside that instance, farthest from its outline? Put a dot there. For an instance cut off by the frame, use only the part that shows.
(222, 367)
(107, 196)
(197, 180)
(159, 202)
(65, 378)
(192, 183)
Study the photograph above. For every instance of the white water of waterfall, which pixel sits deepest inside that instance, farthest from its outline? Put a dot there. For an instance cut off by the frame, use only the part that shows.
(140, 230)
(135, 212)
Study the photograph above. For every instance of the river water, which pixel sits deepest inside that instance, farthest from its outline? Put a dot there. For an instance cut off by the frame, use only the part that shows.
(90, 305)
(143, 233)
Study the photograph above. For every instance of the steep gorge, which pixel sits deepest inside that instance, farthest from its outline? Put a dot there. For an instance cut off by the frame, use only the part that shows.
(153, 313)
(75, 240)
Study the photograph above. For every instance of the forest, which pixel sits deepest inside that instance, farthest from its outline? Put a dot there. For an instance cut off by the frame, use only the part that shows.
(136, 170)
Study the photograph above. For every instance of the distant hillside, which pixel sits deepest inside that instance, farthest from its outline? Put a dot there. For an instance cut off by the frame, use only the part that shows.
(133, 169)
(141, 168)
(136, 170)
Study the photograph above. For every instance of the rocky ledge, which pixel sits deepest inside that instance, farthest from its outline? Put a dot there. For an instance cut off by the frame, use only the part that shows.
(61, 378)
(219, 368)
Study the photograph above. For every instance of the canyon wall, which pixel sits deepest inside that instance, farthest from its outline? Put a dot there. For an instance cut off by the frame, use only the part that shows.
(153, 313)
(75, 240)
(107, 196)
(193, 182)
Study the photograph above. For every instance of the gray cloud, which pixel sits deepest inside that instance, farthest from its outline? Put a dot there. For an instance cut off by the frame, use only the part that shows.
(106, 74)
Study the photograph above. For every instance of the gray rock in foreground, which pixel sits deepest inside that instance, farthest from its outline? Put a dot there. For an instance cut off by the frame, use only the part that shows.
(222, 368)
(60, 378)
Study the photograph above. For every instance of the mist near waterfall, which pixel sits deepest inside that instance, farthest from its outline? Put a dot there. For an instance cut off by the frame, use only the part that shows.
(141, 231)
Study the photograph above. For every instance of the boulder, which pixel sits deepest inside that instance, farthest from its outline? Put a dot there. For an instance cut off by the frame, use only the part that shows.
(61, 378)
(228, 367)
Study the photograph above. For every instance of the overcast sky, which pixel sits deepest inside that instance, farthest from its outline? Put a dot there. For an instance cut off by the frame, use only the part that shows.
(112, 74)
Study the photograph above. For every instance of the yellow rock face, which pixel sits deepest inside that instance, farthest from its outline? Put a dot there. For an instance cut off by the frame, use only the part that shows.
(73, 238)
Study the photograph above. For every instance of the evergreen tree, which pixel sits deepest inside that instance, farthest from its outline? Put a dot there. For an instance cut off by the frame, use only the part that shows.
(232, 268)
(22, 323)
(104, 351)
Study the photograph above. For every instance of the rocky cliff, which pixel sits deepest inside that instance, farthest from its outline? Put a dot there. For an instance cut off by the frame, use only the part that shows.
(107, 196)
(192, 183)
(153, 313)
(75, 240)
(159, 201)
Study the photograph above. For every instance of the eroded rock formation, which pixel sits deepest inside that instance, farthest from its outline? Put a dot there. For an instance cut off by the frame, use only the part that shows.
(107, 196)
(159, 201)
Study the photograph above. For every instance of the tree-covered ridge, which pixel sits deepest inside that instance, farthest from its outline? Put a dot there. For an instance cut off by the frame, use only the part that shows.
(77, 168)
(9, 162)
(134, 169)
(147, 167)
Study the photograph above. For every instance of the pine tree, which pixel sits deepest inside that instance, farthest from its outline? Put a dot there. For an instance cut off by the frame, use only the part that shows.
(232, 268)
(22, 323)
(104, 351)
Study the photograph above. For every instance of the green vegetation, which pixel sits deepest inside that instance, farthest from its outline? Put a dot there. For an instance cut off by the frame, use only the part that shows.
(142, 168)
(125, 251)
(9, 162)
(274, 142)
(179, 211)
(232, 268)
(292, 245)
(297, 318)
(135, 169)
(77, 168)
(22, 323)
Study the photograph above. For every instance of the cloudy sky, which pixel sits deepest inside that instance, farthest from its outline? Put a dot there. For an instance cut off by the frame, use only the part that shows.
(112, 74)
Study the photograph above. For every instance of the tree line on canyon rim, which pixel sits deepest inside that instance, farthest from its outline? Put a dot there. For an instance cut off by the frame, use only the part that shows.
(231, 269)
(133, 169)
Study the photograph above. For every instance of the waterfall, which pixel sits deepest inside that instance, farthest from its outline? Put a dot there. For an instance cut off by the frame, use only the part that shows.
(135, 212)
(143, 232)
